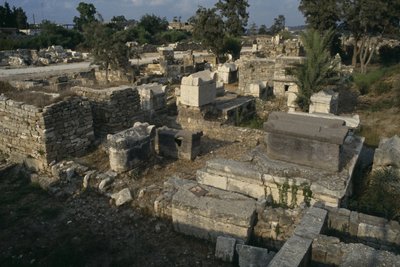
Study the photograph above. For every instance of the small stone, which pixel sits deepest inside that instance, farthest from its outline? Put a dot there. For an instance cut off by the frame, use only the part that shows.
(122, 197)
(104, 183)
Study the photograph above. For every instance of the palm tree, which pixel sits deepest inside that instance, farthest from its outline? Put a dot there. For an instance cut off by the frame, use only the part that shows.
(317, 70)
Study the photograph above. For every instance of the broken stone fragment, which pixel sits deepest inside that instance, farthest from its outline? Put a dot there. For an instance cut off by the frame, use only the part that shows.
(122, 197)
(225, 248)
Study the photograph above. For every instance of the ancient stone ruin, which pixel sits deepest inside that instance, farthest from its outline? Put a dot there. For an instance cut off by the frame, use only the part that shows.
(131, 148)
(178, 144)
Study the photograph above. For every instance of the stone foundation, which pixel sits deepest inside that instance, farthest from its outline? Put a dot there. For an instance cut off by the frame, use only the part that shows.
(206, 212)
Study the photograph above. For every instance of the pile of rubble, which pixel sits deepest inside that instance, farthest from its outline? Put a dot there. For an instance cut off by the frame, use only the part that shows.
(51, 55)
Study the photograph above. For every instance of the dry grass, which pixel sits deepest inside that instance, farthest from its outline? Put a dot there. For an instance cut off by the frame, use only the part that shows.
(37, 97)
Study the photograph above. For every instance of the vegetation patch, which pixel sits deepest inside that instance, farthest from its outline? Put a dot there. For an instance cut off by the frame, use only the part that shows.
(38, 97)
(378, 194)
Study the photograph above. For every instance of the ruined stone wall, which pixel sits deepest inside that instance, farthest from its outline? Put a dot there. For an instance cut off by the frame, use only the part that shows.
(276, 225)
(255, 71)
(43, 135)
(114, 109)
(373, 231)
(194, 119)
(329, 251)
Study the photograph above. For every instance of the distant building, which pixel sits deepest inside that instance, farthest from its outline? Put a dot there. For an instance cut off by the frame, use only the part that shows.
(31, 32)
(177, 25)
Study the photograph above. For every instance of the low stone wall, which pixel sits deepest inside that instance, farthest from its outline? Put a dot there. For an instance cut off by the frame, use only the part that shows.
(373, 231)
(193, 119)
(275, 226)
(297, 250)
(329, 251)
(43, 135)
(114, 109)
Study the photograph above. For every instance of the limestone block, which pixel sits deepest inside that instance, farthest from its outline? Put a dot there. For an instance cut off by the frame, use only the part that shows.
(180, 144)
(122, 197)
(250, 256)
(304, 140)
(131, 148)
(225, 248)
(312, 223)
(388, 153)
(207, 213)
(325, 101)
(295, 252)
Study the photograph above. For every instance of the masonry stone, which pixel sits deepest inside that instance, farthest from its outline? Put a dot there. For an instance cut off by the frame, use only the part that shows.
(178, 144)
(227, 73)
(388, 154)
(303, 140)
(152, 96)
(225, 248)
(250, 256)
(131, 148)
(198, 89)
(206, 212)
(325, 101)
(114, 109)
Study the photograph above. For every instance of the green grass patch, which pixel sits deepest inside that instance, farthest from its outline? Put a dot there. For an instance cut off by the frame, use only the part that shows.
(365, 81)
(378, 194)
(371, 135)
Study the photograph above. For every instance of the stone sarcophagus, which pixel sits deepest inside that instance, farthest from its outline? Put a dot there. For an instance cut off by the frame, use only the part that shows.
(131, 148)
(178, 144)
(198, 89)
(314, 142)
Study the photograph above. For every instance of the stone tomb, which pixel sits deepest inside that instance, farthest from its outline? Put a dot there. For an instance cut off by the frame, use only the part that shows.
(324, 102)
(304, 140)
(295, 179)
(152, 96)
(178, 144)
(198, 89)
(131, 148)
(227, 73)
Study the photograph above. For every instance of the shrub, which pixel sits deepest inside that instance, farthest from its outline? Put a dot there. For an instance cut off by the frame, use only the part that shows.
(365, 81)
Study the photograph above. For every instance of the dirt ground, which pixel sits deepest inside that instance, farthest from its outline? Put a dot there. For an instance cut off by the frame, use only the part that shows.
(85, 229)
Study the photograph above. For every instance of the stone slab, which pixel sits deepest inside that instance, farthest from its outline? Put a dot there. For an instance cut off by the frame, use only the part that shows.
(250, 256)
(295, 252)
(225, 248)
(206, 212)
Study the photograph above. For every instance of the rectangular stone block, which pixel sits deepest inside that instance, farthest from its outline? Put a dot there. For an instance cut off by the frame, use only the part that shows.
(225, 248)
(207, 213)
(305, 140)
(250, 256)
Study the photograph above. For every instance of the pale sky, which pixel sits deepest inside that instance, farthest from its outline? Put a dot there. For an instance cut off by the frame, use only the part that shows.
(260, 11)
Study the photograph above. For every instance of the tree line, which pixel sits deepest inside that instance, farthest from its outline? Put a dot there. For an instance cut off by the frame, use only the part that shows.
(14, 17)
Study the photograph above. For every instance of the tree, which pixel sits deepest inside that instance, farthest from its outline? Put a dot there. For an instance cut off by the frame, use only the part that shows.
(153, 24)
(235, 15)
(279, 25)
(320, 15)
(368, 21)
(119, 22)
(317, 70)
(365, 20)
(87, 14)
(263, 29)
(107, 47)
(12, 17)
(208, 27)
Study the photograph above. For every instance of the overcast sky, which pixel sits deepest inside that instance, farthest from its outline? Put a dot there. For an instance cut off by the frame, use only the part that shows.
(261, 11)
